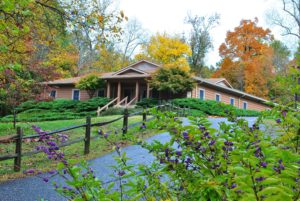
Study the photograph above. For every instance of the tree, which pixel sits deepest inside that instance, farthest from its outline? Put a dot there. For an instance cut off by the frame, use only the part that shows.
(91, 83)
(247, 58)
(172, 80)
(281, 56)
(289, 19)
(200, 40)
(169, 51)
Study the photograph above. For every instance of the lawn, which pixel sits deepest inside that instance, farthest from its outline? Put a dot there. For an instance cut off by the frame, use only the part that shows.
(39, 161)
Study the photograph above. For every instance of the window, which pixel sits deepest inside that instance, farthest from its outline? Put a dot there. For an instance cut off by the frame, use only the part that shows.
(232, 101)
(201, 94)
(76, 94)
(245, 105)
(218, 97)
(53, 93)
(101, 93)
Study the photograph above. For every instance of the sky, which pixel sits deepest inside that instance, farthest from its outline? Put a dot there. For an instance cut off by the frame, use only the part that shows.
(168, 16)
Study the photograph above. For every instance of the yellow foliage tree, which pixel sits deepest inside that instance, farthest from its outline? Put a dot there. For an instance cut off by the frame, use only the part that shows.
(167, 50)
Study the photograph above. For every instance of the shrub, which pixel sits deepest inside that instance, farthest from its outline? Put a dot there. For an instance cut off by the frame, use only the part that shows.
(148, 102)
(211, 107)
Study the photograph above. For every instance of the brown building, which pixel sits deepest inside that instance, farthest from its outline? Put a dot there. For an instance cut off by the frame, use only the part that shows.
(129, 85)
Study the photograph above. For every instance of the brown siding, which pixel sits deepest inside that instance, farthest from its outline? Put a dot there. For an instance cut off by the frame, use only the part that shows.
(210, 94)
(66, 92)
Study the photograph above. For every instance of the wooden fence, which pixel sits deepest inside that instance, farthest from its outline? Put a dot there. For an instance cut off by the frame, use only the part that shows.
(18, 138)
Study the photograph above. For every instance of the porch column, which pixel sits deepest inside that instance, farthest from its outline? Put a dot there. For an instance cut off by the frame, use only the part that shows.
(148, 90)
(108, 90)
(137, 90)
(119, 92)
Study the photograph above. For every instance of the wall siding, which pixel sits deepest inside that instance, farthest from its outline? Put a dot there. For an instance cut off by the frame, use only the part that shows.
(210, 94)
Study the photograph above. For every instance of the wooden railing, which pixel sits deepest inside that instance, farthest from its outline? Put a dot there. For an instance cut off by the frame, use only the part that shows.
(123, 100)
(130, 102)
(105, 106)
(18, 138)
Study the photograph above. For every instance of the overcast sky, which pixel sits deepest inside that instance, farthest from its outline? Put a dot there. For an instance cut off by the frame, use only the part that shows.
(168, 16)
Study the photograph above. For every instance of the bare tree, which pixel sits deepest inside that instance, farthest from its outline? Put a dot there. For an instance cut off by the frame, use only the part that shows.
(289, 19)
(200, 39)
(134, 35)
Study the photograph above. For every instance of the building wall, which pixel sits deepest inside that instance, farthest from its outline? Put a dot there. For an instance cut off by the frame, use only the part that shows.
(66, 92)
(210, 94)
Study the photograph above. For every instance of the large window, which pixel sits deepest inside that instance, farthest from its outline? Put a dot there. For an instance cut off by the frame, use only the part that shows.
(53, 93)
(202, 94)
(101, 93)
(218, 97)
(76, 94)
(232, 101)
(245, 105)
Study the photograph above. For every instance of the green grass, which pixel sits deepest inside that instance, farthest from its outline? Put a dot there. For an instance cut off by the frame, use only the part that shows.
(75, 151)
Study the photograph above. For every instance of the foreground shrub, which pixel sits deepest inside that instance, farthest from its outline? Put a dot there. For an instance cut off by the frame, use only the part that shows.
(236, 162)
(211, 107)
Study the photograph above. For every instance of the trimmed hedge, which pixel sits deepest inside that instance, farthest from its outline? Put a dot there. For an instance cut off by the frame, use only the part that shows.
(211, 107)
(148, 102)
(59, 109)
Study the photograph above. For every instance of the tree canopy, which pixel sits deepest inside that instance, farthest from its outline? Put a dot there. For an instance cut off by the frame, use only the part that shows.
(91, 83)
(166, 50)
(247, 58)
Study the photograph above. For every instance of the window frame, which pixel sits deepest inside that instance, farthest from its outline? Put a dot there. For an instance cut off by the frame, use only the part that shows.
(55, 95)
(231, 98)
(220, 99)
(200, 94)
(245, 102)
(73, 90)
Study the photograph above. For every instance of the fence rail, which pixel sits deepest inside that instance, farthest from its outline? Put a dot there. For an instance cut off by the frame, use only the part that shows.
(18, 138)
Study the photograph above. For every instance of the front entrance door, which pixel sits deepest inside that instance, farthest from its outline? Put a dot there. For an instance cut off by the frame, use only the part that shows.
(128, 93)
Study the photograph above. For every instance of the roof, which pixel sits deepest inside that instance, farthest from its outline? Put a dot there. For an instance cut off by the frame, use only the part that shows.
(219, 81)
(71, 80)
(230, 90)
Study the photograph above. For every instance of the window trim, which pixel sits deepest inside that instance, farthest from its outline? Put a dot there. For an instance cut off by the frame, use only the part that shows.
(55, 93)
(231, 98)
(246, 105)
(200, 89)
(73, 93)
(220, 97)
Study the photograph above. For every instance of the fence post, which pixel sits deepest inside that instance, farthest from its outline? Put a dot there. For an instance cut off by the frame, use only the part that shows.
(87, 138)
(15, 119)
(145, 114)
(17, 162)
(125, 121)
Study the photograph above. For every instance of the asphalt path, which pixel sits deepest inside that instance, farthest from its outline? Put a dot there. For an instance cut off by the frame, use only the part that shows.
(33, 188)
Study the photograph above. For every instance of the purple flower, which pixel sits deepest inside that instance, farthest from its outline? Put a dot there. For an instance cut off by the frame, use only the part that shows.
(264, 164)
(233, 185)
(206, 134)
(175, 118)
(100, 132)
(52, 171)
(238, 191)
(178, 153)
(283, 112)
(185, 135)
(143, 126)
(281, 166)
(45, 179)
(202, 128)
(105, 135)
(212, 142)
(121, 173)
(259, 179)
(227, 143)
(278, 121)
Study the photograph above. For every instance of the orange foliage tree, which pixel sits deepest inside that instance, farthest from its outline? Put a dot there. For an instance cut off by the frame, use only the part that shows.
(247, 58)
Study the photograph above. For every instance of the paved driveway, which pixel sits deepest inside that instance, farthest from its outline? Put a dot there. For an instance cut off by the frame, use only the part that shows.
(33, 188)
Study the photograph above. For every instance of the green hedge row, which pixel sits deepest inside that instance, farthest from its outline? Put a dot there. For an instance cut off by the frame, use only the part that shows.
(60, 109)
(211, 107)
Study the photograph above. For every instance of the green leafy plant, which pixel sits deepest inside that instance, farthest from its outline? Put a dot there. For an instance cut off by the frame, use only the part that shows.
(91, 83)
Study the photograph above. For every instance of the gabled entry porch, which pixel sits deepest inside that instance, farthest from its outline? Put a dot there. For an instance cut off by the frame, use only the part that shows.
(133, 89)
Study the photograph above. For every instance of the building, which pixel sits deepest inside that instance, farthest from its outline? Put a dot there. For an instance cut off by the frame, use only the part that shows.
(129, 85)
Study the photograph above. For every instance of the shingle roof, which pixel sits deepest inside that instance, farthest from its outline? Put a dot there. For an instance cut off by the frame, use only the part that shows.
(235, 91)
(71, 80)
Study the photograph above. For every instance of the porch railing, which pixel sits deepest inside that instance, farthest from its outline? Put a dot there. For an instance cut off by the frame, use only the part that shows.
(133, 100)
(123, 100)
(106, 106)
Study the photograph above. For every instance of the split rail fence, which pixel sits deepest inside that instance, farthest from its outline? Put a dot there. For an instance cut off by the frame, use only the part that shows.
(18, 138)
